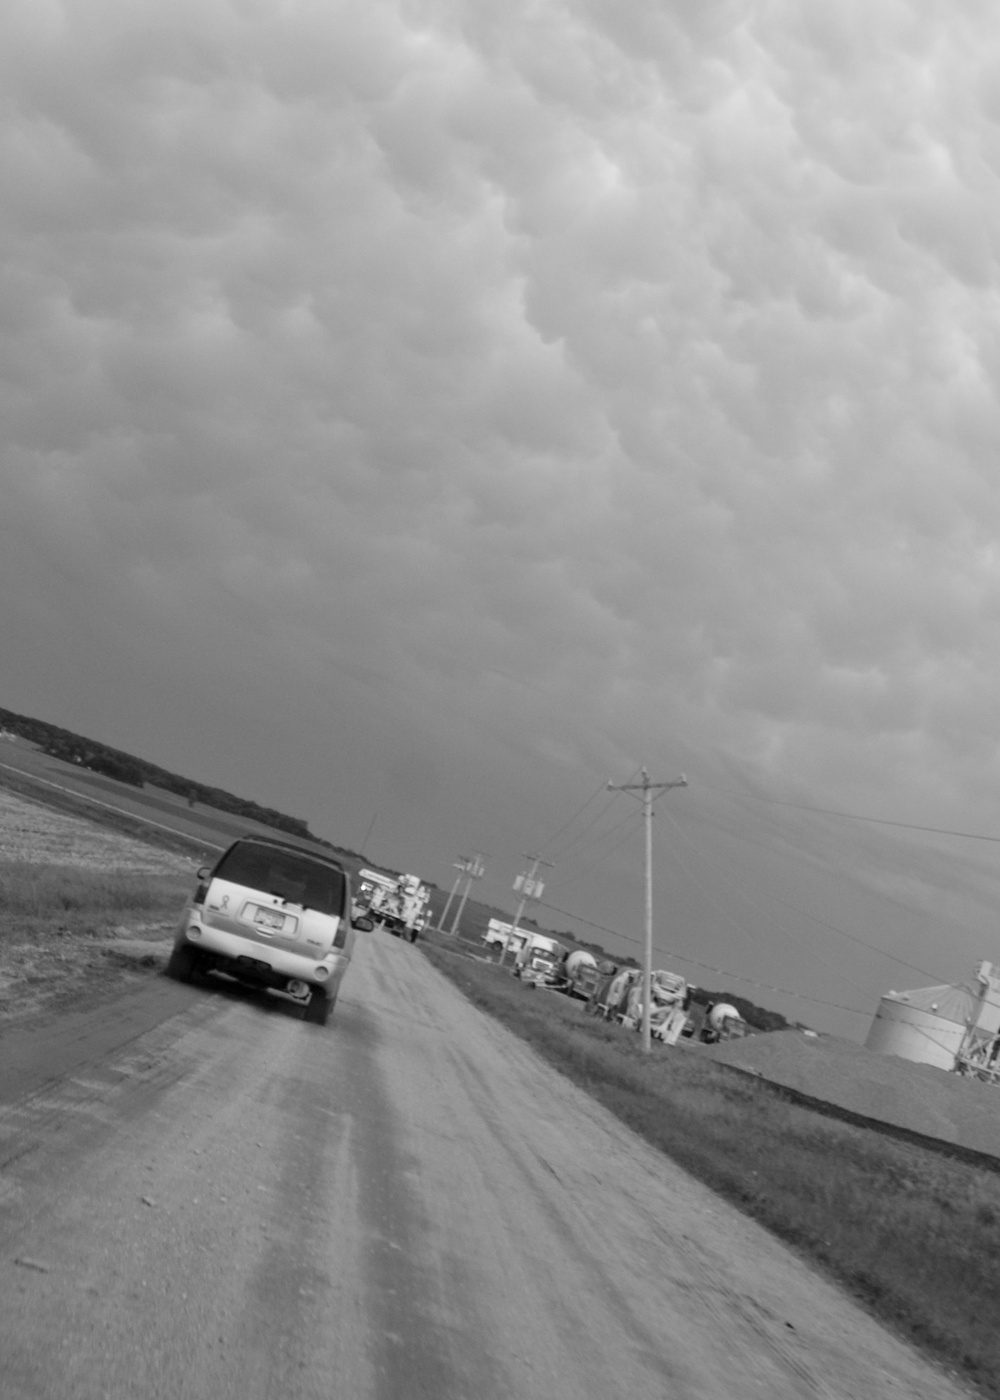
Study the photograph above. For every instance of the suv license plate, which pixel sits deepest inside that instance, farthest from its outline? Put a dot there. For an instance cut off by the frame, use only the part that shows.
(269, 919)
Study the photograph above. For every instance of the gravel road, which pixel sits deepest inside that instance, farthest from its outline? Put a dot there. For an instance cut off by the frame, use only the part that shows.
(209, 1198)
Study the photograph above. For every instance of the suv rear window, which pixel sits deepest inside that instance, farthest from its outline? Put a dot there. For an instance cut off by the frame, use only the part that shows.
(287, 874)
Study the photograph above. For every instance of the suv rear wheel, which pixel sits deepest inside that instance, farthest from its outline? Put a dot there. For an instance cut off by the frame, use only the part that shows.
(182, 963)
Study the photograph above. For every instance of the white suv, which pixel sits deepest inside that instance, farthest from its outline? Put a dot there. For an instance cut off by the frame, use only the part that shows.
(273, 915)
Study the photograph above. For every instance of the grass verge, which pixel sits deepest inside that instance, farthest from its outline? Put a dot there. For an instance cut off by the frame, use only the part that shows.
(76, 805)
(72, 895)
(913, 1234)
(59, 924)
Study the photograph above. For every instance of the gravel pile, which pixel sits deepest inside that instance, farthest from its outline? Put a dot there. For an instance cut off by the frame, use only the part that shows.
(918, 1097)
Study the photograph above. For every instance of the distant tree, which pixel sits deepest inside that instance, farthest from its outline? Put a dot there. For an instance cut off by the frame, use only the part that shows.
(124, 769)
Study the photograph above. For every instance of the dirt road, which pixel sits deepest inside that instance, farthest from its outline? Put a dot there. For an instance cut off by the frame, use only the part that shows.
(212, 1199)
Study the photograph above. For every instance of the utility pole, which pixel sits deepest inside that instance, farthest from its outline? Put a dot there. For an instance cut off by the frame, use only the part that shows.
(649, 790)
(530, 888)
(461, 865)
(474, 870)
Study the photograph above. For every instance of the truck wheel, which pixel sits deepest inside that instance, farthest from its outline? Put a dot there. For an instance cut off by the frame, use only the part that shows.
(183, 963)
(317, 1009)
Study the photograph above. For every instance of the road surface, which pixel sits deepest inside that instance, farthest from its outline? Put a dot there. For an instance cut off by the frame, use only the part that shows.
(202, 1199)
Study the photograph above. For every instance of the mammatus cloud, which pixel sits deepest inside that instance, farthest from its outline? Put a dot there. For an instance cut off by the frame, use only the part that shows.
(507, 395)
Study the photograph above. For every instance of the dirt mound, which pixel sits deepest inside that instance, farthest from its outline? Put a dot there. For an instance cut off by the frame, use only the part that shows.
(917, 1097)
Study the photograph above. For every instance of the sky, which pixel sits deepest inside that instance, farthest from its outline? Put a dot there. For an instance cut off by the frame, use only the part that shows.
(424, 413)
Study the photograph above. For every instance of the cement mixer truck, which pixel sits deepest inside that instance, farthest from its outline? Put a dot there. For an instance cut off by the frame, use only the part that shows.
(580, 974)
(723, 1022)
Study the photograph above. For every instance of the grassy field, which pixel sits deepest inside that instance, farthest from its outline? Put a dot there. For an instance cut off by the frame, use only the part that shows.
(912, 1233)
(17, 788)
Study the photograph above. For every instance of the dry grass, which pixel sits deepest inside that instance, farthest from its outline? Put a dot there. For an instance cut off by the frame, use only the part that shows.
(66, 882)
(913, 1233)
(59, 925)
(41, 832)
(47, 893)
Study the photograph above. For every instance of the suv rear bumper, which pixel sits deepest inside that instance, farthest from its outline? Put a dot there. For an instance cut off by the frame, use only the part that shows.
(250, 961)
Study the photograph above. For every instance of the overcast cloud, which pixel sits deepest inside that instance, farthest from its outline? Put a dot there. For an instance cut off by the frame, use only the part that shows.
(437, 408)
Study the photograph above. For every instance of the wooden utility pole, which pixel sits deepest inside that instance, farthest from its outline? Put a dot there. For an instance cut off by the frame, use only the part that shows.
(474, 870)
(649, 790)
(461, 865)
(530, 888)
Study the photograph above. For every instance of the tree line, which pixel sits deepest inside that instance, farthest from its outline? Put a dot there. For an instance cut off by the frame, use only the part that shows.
(126, 768)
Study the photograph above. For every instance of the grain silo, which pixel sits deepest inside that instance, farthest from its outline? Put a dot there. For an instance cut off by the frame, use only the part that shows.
(928, 1025)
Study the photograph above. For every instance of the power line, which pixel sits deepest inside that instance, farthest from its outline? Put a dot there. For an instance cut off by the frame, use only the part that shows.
(593, 821)
(578, 813)
(767, 987)
(855, 938)
(681, 957)
(561, 853)
(706, 967)
(589, 922)
(599, 836)
(824, 923)
(774, 851)
(775, 848)
(854, 816)
(748, 981)
(749, 902)
(631, 821)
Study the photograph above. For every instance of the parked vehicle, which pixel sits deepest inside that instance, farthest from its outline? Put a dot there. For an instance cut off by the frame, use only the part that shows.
(580, 974)
(723, 1022)
(537, 961)
(398, 902)
(498, 935)
(612, 992)
(273, 915)
(618, 997)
